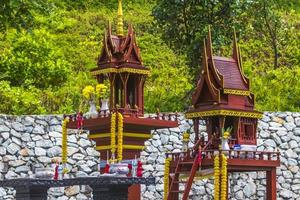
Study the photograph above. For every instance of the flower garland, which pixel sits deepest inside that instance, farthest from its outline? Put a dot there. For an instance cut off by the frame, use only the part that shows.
(166, 177)
(64, 141)
(224, 178)
(217, 177)
(113, 134)
(120, 136)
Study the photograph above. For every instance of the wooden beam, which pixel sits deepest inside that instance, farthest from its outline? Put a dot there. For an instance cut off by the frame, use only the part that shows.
(271, 184)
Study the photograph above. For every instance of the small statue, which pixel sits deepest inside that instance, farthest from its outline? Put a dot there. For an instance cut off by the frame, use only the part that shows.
(225, 137)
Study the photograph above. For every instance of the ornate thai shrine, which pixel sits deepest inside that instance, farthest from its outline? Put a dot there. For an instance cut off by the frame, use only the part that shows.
(121, 130)
(222, 99)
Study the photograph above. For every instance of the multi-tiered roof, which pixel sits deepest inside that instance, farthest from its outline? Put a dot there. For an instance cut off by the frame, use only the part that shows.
(222, 89)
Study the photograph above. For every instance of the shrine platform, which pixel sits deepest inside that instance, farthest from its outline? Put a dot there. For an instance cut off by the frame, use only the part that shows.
(105, 187)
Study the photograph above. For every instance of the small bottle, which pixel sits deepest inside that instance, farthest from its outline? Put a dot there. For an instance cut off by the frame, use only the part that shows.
(99, 164)
(60, 172)
(134, 168)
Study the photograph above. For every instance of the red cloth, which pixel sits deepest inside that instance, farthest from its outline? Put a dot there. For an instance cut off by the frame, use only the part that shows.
(106, 169)
(79, 119)
(199, 156)
(139, 169)
(56, 173)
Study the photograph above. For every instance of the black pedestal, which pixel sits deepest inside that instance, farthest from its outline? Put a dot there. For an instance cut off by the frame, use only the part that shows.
(111, 193)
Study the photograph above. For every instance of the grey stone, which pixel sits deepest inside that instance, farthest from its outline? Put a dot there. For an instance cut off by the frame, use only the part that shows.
(38, 130)
(2, 151)
(156, 143)
(264, 134)
(16, 141)
(164, 139)
(81, 174)
(2, 192)
(55, 134)
(44, 159)
(84, 143)
(85, 168)
(26, 137)
(4, 128)
(297, 121)
(5, 135)
(18, 126)
(16, 163)
(44, 143)
(289, 126)
(286, 193)
(91, 151)
(174, 139)
(78, 156)
(293, 144)
(270, 143)
(54, 151)
(13, 148)
(39, 151)
(22, 169)
(3, 167)
(72, 150)
(11, 175)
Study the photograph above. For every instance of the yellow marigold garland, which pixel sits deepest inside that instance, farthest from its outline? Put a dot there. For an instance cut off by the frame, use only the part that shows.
(64, 140)
(166, 177)
(113, 133)
(120, 136)
(224, 178)
(217, 177)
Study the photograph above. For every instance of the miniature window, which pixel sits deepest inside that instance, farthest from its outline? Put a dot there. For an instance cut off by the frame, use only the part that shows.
(248, 131)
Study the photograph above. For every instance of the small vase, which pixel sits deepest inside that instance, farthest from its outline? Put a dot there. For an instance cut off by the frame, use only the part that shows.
(104, 104)
(92, 111)
(225, 145)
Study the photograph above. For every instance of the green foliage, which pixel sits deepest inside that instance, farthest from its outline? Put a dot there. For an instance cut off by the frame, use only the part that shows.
(48, 47)
(169, 82)
(45, 69)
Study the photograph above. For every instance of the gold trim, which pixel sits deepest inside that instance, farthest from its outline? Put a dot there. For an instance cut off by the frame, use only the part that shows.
(237, 92)
(105, 135)
(133, 147)
(224, 113)
(137, 135)
(121, 70)
(99, 135)
(99, 148)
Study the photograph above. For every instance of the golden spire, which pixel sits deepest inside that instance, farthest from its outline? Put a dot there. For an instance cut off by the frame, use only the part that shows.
(120, 31)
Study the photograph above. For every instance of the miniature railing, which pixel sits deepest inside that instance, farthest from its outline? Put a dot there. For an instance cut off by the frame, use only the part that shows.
(126, 112)
(231, 154)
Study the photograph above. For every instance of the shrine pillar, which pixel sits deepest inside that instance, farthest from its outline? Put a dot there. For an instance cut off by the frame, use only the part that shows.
(271, 184)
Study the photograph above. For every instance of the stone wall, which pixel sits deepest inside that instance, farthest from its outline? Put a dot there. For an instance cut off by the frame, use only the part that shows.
(275, 130)
(27, 142)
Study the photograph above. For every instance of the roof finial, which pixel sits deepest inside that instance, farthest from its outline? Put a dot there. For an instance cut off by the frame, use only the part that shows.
(120, 31)
(209, 43)
(235, 53)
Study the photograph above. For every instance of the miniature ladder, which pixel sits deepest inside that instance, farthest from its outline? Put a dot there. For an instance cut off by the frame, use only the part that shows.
(174, 186)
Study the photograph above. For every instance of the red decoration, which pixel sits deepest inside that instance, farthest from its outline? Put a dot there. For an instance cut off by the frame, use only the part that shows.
(79, 119)
(106, 169)
(139, 169)
(130, 170)
(56, 172)
(199, 156)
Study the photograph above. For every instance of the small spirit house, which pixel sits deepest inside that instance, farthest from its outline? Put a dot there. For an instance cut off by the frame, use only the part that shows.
(121, 130)
(223, 98)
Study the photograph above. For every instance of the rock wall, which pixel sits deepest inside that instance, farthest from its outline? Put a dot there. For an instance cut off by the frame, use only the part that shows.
(27, 142)
(276, 130)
